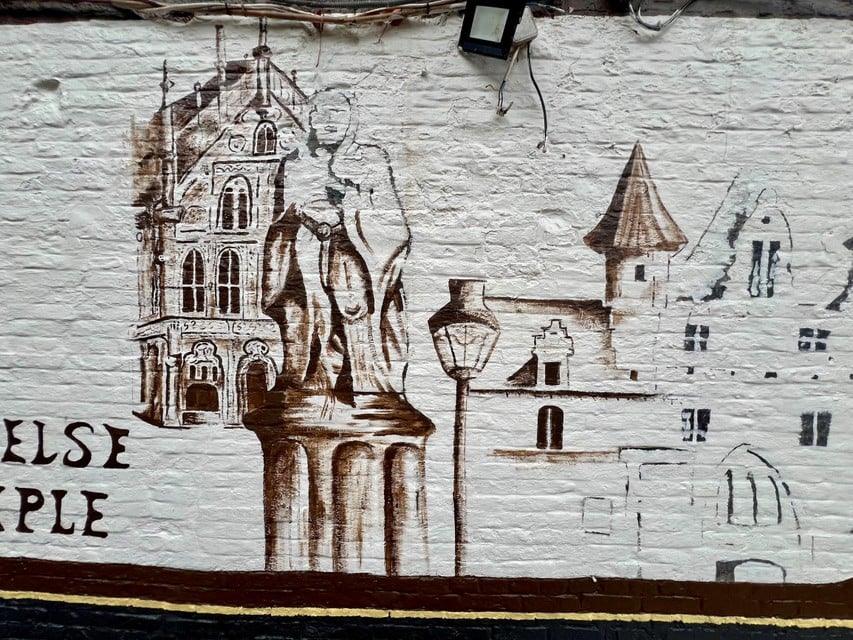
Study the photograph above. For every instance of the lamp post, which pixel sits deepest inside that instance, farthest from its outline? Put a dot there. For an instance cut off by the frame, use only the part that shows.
(464, 332)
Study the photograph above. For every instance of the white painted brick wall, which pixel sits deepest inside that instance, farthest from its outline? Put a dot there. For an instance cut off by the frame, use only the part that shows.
(766, 101)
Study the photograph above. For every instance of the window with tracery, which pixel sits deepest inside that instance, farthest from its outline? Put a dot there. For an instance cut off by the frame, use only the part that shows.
(235, 204)
(192, 284)
(228, 282)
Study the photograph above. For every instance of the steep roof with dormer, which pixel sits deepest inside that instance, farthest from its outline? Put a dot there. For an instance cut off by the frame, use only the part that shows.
(190, 125)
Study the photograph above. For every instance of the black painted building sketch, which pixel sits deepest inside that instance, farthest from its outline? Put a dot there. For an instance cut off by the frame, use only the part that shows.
(617, 431)
(272, 246)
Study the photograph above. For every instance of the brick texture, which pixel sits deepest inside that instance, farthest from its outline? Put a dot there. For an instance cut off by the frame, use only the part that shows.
(719, 452)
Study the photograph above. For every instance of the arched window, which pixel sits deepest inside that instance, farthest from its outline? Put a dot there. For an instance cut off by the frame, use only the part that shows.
(753, 499)
(201, 382)
(549, 432)
(228, 280)
(753, 570)
(235, 205)
(256, 374)
(193, 283)
(265, 137)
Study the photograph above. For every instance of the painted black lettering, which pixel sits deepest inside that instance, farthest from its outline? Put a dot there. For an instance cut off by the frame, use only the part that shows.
(40, 457)
(31, 500)
(11, 441)
(85, 454)
(92, 514)
(117, 447)
(58, 495)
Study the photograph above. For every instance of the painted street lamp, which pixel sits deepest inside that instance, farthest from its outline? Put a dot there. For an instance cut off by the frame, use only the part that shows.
(464, 332)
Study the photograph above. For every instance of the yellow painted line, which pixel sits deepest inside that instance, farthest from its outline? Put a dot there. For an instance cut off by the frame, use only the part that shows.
(322, 612)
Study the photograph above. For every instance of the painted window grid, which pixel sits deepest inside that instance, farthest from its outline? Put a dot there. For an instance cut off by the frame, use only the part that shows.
(694, 424)
(192, 284)
(696, 337)
(814, 428)
(813, 339)
(228, 281)
(753, 499)
(235, 205)
(265, 139)
(765, 257)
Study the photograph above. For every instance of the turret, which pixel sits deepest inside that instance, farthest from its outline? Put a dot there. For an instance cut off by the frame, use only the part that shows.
(169, 163)
(634, 235)
(220, 75)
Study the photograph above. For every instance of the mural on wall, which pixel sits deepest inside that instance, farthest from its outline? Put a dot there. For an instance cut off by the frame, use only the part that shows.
(588, 373)
(272, 242)
(206, 171)
(266, 221)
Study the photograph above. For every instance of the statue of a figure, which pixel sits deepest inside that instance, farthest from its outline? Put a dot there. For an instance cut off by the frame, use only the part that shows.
(344, 451)
(333, 260)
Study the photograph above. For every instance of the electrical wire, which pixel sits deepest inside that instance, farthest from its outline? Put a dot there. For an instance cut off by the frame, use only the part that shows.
(544, 141)
(549, 7)
(658, 26)
(374, 10)
(501, 111)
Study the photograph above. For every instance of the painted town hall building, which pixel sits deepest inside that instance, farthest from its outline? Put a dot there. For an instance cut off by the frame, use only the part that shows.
(206, 170)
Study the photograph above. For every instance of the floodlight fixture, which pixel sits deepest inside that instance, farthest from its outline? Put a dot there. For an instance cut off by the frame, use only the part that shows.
(489, 26)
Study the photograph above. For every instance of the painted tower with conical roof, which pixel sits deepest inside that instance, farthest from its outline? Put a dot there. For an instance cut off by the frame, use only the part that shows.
(636, 236)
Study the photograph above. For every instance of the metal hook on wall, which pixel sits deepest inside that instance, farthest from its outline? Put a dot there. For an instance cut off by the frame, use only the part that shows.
(658, 26)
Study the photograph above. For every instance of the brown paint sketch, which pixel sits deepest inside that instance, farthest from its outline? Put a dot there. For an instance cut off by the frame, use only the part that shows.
(268, 228)
(464, 332)
(332, 282)
(272, 243)
(205, 167)
(634, 233)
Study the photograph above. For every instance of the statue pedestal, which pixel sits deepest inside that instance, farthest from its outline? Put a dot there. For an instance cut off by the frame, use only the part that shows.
(344, 482)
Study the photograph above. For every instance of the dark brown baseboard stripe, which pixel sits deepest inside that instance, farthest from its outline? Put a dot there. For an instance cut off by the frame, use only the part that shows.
(325, 594)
